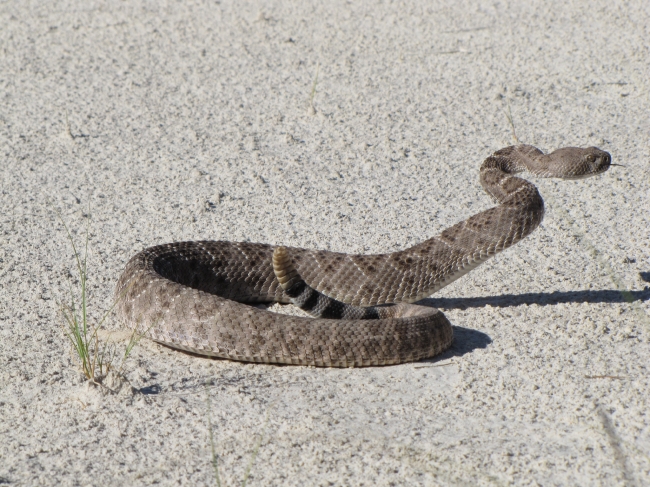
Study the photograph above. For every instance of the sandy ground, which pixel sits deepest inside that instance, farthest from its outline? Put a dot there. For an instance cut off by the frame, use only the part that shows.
(164, 121)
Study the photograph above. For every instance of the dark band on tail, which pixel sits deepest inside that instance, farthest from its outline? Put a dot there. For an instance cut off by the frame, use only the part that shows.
(314, 302)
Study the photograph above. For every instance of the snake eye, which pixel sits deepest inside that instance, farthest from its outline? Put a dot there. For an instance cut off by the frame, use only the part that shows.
(591, 158)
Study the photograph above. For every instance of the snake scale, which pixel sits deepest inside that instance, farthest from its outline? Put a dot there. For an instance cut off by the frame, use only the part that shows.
(196, 296)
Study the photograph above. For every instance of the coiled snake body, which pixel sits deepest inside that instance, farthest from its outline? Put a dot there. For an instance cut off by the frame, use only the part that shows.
(192, 295)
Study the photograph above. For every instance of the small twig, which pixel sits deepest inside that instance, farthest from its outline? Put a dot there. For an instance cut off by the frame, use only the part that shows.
(428, 366)
(311, 108)
(606, 377)
(67, 126)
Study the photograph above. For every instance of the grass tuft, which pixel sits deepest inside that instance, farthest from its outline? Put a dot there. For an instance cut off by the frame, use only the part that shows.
(96, 357)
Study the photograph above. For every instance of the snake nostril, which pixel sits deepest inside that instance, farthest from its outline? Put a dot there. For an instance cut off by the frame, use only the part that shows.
(607, 160)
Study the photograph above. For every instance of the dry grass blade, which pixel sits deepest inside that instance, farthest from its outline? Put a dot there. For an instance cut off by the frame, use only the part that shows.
(311, 108)
(512, 124)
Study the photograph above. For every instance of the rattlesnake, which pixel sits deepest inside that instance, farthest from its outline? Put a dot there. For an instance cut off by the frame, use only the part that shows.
(191, 295)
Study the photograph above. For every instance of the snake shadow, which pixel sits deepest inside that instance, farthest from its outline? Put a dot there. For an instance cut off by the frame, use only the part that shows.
(541, 299)
(466, 340)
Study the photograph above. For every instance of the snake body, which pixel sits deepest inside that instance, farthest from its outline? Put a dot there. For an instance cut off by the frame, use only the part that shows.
(196, 296)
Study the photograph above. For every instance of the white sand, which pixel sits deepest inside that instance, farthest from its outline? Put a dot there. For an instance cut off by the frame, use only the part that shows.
(192, 121)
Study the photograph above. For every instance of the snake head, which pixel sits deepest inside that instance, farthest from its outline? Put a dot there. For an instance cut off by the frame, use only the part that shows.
(595, 161)
(577, 163)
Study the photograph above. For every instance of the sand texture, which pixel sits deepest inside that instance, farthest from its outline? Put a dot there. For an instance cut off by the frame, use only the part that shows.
(347, 126)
